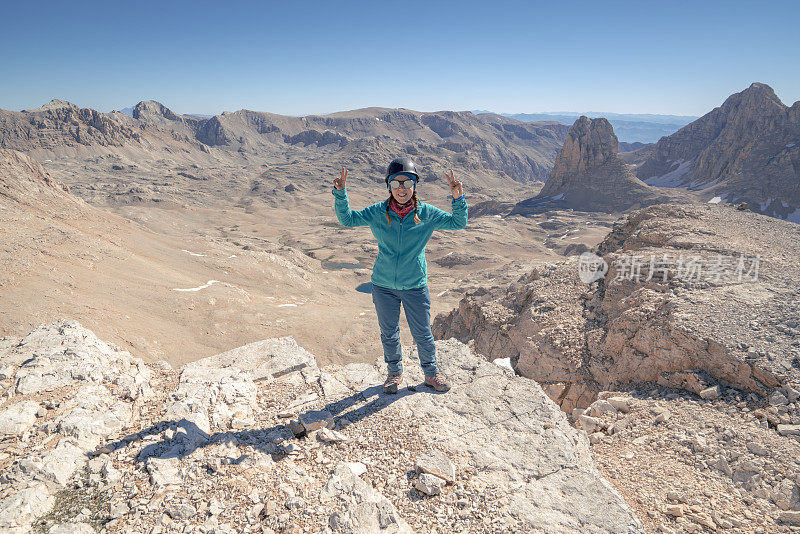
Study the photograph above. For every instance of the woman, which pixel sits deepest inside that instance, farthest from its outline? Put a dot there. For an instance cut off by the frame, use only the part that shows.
(403, 225)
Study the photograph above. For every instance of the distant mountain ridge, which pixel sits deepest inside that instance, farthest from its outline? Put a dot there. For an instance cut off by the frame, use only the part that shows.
(629, 127)
(504, 147)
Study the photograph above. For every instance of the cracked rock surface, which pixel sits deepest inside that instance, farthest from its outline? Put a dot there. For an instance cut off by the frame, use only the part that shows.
(209, 448)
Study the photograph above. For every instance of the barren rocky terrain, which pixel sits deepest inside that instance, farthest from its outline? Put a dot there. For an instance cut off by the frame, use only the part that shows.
(192, 247)
(260, 439)
(682, 363)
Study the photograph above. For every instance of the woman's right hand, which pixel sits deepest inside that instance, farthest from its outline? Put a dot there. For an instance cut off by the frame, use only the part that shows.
(340, 182)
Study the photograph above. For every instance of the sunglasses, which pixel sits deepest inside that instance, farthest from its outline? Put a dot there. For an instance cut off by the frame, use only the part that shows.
(408, 183)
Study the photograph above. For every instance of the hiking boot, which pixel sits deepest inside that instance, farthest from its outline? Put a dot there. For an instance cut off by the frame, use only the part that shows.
(437, 382)
(392, 383)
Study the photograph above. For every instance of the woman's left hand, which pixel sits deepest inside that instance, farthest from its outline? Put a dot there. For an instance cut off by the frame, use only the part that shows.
(455, 186)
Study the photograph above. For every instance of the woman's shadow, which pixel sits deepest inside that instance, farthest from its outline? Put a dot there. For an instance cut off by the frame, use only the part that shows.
(188, 437)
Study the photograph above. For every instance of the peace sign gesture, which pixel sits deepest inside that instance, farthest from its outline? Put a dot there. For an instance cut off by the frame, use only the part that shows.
(455, 185)
(340, 182)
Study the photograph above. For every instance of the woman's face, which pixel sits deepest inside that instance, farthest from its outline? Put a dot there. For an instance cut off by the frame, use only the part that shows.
(401, 194)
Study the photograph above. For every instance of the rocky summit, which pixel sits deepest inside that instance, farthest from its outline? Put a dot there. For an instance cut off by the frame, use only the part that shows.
(259, 439)
(589, 175)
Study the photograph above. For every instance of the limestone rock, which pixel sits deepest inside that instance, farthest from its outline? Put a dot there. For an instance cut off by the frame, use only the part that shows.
(364, 509)
(506, 433)
(599, 407)
(429, 484)
(436, 463)
(711, 393)
(315, 420)
(71, 528)
(23, 506)
(622, 404)
(330, 436)
(263, 360)
(164, 471)
(789, 430)
(65, 353)
(18, 417)
(181, 512)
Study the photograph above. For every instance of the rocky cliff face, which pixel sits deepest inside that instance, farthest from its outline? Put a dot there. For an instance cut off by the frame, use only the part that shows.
(676, 307)
(588, 175)
(748, 149)
(259, 438)
(62, 124)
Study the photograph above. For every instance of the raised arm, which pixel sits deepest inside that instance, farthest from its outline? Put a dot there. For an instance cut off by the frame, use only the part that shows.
(341, 205)
(458, 219)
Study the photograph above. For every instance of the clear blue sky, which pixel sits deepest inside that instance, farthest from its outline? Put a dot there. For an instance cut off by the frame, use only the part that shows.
(317, 57)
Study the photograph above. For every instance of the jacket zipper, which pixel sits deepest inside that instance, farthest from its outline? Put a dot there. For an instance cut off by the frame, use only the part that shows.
(399, 249)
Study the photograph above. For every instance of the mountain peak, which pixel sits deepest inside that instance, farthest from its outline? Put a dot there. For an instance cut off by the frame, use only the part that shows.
(755, 96)
(589, 143)
(150, 109)
(55, 104)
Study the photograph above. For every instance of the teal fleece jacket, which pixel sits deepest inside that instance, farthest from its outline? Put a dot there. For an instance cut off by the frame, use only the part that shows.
(401, 262)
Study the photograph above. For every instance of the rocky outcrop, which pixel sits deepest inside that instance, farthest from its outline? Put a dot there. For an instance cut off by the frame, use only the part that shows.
(62, 124)
(746, 150)
(693, 297)
(86, 392)
(23, 181)
(138, 447)
(589, 175)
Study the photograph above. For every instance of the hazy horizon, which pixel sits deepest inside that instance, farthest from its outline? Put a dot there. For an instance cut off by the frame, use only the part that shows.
(195, 113)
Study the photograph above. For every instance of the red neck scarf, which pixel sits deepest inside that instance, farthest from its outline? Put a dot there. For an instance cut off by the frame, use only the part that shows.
(401, 210)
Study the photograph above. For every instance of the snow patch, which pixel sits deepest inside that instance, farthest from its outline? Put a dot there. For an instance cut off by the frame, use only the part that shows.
(715, 200)
(765, 205)
(192, 253)
(672, 178)
(232, 256)
(207, 284)
(503, 362)
(287, 305)
(790, 145)
(558, 197)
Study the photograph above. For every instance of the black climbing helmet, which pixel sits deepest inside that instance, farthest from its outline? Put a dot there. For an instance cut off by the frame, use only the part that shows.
(401, 165)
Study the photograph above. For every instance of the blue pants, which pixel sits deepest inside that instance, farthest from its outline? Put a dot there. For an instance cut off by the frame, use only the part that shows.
(417, 305)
